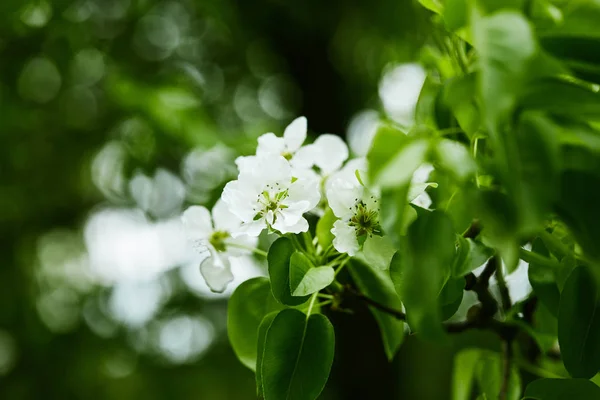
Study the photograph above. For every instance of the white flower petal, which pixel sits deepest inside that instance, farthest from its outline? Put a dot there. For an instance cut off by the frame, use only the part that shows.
(298, 227)
(295, 134)
(245, 163)
(224, 220)
(253, 228)
(216, 271)
(240, 200)
(421, 175)
(305, 157)
(330, 154)
(304, 190)
(142, 188)
(197, 223)
(345, 240)
(269, 144)
(342, 197)
(348, 172)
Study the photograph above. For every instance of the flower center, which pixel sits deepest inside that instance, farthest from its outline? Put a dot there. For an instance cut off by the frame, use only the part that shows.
(287, 155)
(217, 240)
(365, 221)
(269, 203)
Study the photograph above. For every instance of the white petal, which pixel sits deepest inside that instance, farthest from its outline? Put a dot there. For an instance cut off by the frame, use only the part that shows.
(141, 188)
(253, 228)
(304, 190)
(224, 220)
(342, 197)
(216, 271)
(422, 173)
(423, 200)
(331, 153)
(348, 171)
(240, 200)
(291, 215)
(370, 199)
(300, 226)
(295, 134)
(245, 163)
(269, 144)
(269, 170)
(345, 240)
(305, 157)
(197, 223)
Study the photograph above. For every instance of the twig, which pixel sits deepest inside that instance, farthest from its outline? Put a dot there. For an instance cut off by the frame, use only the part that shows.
(504, 293)
(473, 230)
(506, 365)
(382, 307)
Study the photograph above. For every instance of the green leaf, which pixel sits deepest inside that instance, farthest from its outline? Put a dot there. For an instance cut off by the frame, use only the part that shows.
(544, 328)
(459, 94)
(386, 142)
(578, 207)
(455, 158)
(298, 354)
(250, 302)
(534, 179)
(278, 259)
(451, 296)
(464, 374)
(471, 255)
(486, 367)
(579, 324)
(543, 279)
(324, 226)
(562, 98)
(376, 284)
(307, 279)
(433, 5)
(398, 171)
(506, 44)
(260, 348)
(456, 14)
(561, 389)
(396, 214)
(429, 247)
(489, 372)
(378, 252)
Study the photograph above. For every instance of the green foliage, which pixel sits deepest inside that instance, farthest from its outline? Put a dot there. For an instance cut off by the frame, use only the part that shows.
(470, 255)
(305, 278)
(279, 260)
(558, 389)
(579, 324)
(483, 368)
(421, 269)
(249, 304)
(297, 356)
(377, 285)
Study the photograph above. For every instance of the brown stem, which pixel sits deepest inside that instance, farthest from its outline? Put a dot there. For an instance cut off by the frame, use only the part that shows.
(382, 307)
(506, 365)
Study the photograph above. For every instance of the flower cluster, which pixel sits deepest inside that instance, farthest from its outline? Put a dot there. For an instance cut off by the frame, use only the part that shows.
(274, 191)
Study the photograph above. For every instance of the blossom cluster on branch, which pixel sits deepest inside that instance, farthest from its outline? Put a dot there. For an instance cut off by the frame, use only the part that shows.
(276, 188)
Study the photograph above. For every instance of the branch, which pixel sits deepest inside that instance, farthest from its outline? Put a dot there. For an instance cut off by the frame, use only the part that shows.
(504, 293)
(506, 364)
(381, 307)
(473, 230)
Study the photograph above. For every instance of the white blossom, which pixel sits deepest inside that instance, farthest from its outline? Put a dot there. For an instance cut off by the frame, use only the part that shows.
(327, 153)
(269, 144)
(267, 195)
(211, 235)
(358, 211)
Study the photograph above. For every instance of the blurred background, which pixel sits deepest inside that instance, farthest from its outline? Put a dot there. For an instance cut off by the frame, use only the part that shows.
(117, 114)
